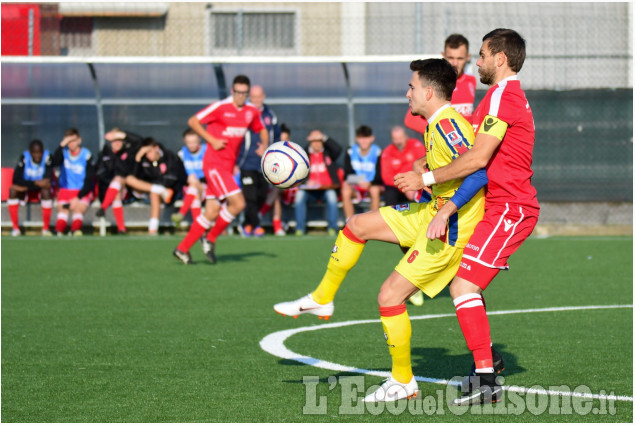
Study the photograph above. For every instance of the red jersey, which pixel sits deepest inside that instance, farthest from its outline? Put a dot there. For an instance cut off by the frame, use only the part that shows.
(394, 161)
(509, 170)
(462, 101)
(225, 121)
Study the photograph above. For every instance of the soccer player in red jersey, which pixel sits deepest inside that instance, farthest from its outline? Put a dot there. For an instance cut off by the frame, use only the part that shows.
(457, 52)
(227, 122)
(504, 142)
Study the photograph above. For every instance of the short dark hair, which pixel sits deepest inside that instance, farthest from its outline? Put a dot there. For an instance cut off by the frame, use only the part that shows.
(241, 79)
(189, 131)
(363, 131)
(36, 143)
(285, 129)
(71, 132)
(149, 141)
(509, 42)
(454, 41)
(437, 73)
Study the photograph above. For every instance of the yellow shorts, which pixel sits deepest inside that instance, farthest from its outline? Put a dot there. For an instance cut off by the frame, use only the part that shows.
(429, 265)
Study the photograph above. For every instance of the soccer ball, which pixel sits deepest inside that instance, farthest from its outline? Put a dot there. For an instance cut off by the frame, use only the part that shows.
(285, 165)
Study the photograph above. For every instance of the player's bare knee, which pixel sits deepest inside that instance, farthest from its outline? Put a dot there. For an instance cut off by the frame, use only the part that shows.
(460, 286)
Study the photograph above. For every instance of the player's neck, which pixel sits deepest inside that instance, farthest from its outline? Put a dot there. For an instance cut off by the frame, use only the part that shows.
(503, 75)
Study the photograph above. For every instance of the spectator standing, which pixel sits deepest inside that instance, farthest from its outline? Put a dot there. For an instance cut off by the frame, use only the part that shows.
(157, 173)
(227, 122)
(114, 164)
(322, 183)
(192, 155)
(254, 185)
(76, 181)
(32, 180)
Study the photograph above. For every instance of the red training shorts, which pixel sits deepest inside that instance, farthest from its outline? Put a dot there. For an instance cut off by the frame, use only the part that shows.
(220, 183)
(64, 196)
(496, 237)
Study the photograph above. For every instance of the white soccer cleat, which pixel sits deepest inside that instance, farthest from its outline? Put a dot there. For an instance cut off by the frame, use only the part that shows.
(392, 390)
(46, 232)
(16, 232)
(305, 305)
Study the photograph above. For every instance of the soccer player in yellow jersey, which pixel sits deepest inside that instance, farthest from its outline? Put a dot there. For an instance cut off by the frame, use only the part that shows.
(430, 262)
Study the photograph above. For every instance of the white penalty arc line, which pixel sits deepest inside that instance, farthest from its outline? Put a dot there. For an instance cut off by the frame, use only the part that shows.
(274, 344)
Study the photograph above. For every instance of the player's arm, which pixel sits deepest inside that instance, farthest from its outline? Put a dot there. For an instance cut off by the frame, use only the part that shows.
(45, 181)
(348, 165)
(88, 178)
(469, 187)
(18, 176)
(488, 137)
(195, 124)
(264, 142)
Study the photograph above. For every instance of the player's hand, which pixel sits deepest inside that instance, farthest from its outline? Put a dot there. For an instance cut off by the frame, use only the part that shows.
(115, 135)
(260, 150)
(219, 144)
(437, 226)
(42, 183)
(408, 181)
(420, 165)
(67, 139)
(141, 152)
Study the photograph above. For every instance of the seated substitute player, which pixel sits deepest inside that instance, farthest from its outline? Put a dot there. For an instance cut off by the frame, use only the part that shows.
(192, 155)
(227, 122)
(158, 172)
(76, 181)
(31, 179)
(431, 261)
(360, 168)
(114, 164)
(323, 181)
(504, 142)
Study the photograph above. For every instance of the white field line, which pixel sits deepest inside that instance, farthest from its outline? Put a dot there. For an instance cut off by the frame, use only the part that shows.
(274, 344)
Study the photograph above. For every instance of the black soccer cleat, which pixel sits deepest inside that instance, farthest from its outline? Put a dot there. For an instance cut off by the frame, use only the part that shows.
(208, 249)
(482, 388)
(497, 359)
(183, 257)
(100, 213)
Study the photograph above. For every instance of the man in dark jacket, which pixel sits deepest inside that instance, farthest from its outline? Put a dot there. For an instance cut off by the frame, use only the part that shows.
(323, 182)
(157, 172)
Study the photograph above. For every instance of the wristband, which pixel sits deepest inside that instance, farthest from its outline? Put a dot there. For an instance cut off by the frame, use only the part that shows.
(428, 178)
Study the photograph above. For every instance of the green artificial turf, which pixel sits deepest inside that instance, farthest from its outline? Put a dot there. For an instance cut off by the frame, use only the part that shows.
(116, 330)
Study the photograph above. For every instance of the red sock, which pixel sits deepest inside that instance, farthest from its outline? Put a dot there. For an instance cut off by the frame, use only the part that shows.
(277, 225)
(78, 220)
(195, 212)
(117, 211)
(470, 312)
(197, 229)
(264, 209)
(111, 194)
(223, 220)
(14, 205)
(190, 196)
(47, 210)
(60, 224)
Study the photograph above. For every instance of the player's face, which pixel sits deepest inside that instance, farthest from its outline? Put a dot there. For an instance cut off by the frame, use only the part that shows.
(36, 154)
(365, 142)
(153, 154)
(284, 136)
(416, 95)
(74, 144)
(457, 57)
(116, 145)
(192, 142)
(240, 93)
(486, 65)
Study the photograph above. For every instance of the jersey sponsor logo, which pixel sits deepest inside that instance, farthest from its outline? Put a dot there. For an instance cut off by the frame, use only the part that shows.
(267, 121)
(163, 167)
(193, 164)
(472, 247)
(464, 108)
(401, 207)
(234, 132)
(489, 123)
(73, 168)
(465, 266)
(249, 116)
(34, 173)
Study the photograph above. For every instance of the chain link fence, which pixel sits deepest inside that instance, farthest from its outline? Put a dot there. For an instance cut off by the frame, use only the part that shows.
(578, 75)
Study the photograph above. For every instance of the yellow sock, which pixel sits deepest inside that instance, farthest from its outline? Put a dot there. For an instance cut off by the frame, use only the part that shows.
(398, 331)
(345, 254)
